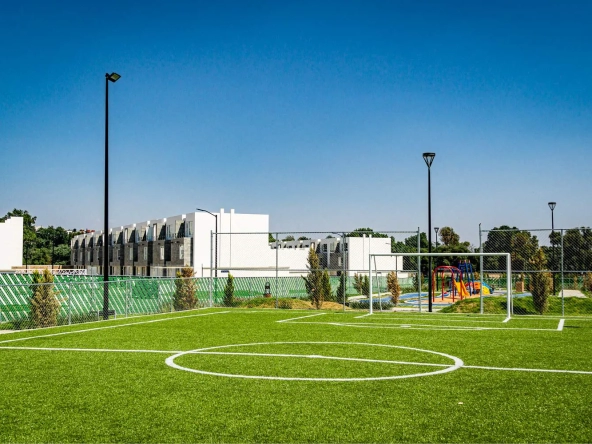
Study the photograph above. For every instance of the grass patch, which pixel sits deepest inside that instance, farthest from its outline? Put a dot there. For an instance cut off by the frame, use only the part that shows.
(81, 395)
(287, 304)
(522, 306)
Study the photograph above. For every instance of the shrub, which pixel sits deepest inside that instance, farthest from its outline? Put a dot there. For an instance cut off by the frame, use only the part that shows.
(313, 280)
(540, 282)
(229, 291)
(392, 284)
(588, 281)
(45, 306)
(341, 289)
(326, 286)
(185, 287)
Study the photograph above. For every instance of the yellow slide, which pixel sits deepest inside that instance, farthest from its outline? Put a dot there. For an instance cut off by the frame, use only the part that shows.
(461, 290)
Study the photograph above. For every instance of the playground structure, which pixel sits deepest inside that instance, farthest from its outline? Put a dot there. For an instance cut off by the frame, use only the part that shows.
(456, 282)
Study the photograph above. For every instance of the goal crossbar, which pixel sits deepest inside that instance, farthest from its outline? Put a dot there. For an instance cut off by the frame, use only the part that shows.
(420, 255)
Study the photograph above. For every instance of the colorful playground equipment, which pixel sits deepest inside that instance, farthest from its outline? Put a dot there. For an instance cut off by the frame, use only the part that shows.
(452, 282)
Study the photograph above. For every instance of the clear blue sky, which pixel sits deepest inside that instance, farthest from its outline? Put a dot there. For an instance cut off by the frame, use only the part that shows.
(313, 112)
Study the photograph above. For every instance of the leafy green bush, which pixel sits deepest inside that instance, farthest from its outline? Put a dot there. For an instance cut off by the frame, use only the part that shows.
(45, 306)
(185, 287)
(229, 291)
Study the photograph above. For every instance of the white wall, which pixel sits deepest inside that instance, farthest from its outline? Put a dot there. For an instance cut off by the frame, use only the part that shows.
(11, 243)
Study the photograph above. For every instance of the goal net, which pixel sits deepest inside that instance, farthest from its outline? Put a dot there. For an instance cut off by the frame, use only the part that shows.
(435, 282)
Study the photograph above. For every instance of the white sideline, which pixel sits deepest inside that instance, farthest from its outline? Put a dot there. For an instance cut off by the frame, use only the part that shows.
(363, 316)
(302, 317)
(110, 326)
(423, 326)
(506, 320)
(560, 326)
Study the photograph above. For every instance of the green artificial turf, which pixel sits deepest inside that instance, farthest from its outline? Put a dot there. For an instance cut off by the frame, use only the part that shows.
(118, 395)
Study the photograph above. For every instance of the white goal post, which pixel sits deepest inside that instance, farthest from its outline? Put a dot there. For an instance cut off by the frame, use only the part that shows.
(374, 268)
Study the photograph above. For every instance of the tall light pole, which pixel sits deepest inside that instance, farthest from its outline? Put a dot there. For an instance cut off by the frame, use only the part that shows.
(216, 244)
(429, 158)
(113, 77)
(436, 229)
(552, 206)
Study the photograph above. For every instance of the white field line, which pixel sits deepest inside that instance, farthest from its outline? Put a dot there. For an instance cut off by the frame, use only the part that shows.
(111, 326)
(171, 352)
(561, 323)
(506, 320)
(101, 350)
(337, 358)
(363, 316)
(542, 370)
(302, 317)
(377, 318)
(423, 326)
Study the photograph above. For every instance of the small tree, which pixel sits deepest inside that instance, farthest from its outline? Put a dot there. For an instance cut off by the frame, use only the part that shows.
(229, 291)
(185, 288)
(326, 286)
(313, 280)
(588, 281)
(392, 284)
(44, 304)
(366, 286)
(341, 290)
(358, 283)
(540, 282)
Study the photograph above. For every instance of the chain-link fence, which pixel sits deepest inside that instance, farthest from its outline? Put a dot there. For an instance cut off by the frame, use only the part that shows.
(299, 269)
(551, 269)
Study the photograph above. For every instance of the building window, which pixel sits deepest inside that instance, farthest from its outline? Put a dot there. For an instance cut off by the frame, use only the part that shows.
(162, 253)
(188, 228)
(131, 254)
(168, 231)
(324, 248)
(145, 253)
(88, 256)
(125, 236)
(181, 252)
(118, 254)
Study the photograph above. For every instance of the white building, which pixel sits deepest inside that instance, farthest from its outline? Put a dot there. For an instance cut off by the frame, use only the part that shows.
(11, 243)
(162, 247)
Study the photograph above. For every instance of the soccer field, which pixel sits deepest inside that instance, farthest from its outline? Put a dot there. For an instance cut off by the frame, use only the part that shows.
(240, 375)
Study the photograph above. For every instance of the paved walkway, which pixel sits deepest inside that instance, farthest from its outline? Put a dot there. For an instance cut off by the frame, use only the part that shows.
(573, 294)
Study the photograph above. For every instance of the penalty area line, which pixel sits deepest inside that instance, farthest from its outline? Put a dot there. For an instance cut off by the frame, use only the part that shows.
(112, 326)
(302, 317)
(561, 323)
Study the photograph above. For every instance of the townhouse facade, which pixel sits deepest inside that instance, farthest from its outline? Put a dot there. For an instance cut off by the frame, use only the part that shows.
(161, 247)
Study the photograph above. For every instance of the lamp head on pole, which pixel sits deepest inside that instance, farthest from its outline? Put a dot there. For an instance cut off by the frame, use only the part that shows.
(429, 158)
(113, 77)
(552, 205)
(436, 229)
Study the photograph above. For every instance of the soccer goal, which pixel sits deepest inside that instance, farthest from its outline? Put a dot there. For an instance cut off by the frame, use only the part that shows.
(426, 282)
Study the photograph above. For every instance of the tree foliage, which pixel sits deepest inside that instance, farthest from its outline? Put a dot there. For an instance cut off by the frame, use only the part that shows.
(185, 288)
(44, 304)
(313, 280)
(229, 291)
(340, 294)
(362, 284)
(448, 236)
(521, 245)
(540, 282)
(326, 286)
(43, 244)
(360, 232)
(392, 284)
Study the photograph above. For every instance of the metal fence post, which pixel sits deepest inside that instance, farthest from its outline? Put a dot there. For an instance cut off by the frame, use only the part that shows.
(276, 268)
(211, 264)
(70, 303)
(277, 252)
(480, 272)
(343, 258)
(562, 295)
(419, 270)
